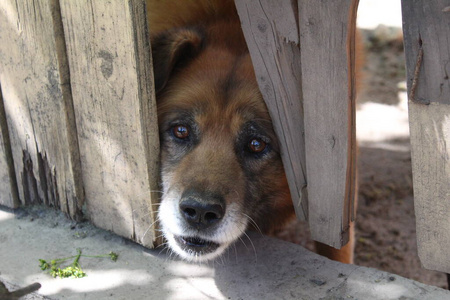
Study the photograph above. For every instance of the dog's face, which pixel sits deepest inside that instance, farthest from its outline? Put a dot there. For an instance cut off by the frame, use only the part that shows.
(220, 159)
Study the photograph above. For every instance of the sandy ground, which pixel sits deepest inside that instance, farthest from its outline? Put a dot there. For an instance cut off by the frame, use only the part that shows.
(385, 230)
(386, 235)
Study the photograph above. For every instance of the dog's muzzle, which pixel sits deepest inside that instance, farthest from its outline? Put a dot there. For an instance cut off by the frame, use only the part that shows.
(201, 213)
(200, 225)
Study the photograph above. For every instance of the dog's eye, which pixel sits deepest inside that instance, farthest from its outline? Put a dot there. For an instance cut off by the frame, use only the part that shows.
(180, 132)
(257, 145)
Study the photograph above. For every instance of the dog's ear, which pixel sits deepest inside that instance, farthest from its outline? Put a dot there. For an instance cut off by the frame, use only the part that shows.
(173, 49)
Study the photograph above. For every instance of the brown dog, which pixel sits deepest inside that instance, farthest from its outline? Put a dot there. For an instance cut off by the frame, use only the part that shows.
(221, 166)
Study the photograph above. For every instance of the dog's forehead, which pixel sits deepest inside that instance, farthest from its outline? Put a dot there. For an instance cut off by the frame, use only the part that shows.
(217, 90)
(232, 108)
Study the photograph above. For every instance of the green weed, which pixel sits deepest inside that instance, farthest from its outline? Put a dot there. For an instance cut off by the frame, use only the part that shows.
(74, 269)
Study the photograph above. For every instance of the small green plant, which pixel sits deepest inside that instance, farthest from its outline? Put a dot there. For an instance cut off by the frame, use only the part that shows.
(74, 269)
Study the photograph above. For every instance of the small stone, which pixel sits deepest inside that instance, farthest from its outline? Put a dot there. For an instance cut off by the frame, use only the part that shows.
(317, 282)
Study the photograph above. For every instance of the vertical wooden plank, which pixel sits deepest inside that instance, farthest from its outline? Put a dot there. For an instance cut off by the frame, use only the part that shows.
(8, 186)
(112, 84)
(310, 95)
(271, 32)
(427, 50)
(38, 111)
(327, 40)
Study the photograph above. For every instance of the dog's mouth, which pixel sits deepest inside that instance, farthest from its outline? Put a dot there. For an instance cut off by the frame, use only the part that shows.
(196, 245)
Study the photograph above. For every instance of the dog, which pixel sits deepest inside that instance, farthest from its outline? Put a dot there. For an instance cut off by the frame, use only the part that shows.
(221, 168)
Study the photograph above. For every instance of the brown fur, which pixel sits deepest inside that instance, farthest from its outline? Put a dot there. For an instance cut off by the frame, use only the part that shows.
(205, 81)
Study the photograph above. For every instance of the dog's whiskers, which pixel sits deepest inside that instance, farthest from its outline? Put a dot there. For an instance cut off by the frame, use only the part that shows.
(164, 247)
(245, 245)
(253, 246)
(237, 193)
(253, 222)
(235, 251)
(222, 260)
(145, 207)
(159, 237)
(150, 227)
(148, 192)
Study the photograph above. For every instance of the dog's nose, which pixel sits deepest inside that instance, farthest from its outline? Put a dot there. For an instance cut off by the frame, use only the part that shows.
(201, 214)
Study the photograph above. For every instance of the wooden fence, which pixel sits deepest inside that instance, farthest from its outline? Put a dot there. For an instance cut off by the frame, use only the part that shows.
(85, 143)
(78, 118)
(427, 50)
(311, 102)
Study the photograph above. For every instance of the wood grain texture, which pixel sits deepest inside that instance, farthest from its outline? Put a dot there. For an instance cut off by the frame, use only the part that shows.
(271, 31)
(8, 186)
(112, 85)
(327, 39)
(426, 29)
(303, 54)
(39, 120)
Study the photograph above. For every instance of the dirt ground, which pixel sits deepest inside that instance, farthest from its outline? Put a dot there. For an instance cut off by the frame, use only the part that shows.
(385, 230)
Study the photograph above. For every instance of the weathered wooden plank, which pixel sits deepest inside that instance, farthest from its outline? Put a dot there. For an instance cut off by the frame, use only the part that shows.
(112, 84)
(310, 96)
(8, 186)
(427, 50)
(34, 78)
(327, 39)
(271, 31)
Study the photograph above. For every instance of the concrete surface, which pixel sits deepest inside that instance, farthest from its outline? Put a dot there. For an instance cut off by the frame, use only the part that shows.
(258, 267)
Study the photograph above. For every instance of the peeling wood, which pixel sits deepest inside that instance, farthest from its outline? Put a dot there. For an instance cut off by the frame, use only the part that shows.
(8, 185)
(37, 105)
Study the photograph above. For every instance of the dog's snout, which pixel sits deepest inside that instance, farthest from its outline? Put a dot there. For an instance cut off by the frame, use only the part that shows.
(201, 214)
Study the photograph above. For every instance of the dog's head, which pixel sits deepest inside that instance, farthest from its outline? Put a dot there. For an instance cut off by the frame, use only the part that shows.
(220, 158)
